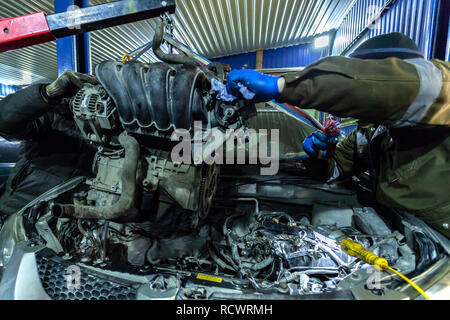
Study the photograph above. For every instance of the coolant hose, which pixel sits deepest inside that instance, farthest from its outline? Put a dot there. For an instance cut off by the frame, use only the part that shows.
(123, 208)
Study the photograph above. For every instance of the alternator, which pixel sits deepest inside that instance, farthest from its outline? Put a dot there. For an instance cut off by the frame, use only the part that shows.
(94, 113)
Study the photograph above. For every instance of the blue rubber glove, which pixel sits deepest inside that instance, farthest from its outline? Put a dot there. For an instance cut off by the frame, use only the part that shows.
(318, 145)
(264, 86)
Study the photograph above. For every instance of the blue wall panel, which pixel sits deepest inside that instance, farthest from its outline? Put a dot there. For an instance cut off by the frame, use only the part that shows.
(7, 90)
(295, 56)
(415, 18)
(287, 57)
(354, 23)
(239, 60)
(440, 43)
(447, 54)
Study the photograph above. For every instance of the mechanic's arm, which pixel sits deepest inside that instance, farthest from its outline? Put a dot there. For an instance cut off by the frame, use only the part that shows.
(392, 92)
(20, 113)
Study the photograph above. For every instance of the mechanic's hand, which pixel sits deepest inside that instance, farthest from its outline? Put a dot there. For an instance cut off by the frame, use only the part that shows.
(264, 86)
(318, 145)
(67, 85)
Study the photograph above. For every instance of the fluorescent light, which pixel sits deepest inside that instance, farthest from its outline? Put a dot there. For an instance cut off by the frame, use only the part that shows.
(321, 42)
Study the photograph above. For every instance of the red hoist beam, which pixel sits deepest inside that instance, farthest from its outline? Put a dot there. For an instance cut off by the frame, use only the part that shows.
(35, 28)
(24, 31)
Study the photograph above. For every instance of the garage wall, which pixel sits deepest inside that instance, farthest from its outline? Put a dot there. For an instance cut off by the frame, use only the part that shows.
(441, 48)
(295, 56)
(239, 60)
(287, 57)
(415, 18)
(355, 22)
(447, 53)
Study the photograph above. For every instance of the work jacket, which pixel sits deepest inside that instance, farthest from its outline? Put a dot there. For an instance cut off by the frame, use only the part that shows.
(407, 146)
(52, 149)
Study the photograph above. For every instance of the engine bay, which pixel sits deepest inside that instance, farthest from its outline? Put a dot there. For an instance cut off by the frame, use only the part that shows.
(243, 249)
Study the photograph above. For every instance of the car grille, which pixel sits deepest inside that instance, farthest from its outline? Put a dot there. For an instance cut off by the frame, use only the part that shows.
(53, 277)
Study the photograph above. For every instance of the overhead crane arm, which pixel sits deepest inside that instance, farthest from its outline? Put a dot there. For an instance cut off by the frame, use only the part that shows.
(36, 28)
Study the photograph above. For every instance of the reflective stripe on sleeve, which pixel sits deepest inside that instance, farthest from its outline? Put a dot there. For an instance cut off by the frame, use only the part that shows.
(361, 139)
(430, 88)
(336, 174)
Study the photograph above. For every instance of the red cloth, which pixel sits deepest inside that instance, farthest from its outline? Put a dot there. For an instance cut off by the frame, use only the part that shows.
(331, 128)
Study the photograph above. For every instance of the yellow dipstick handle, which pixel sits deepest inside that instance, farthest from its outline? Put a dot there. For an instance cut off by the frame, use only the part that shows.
(356, 249)
(126, 57)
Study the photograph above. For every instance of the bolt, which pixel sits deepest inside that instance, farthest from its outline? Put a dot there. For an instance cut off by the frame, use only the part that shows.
(164, 4)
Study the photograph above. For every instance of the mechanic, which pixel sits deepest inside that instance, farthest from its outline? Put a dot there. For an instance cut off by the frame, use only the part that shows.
(403, 104)
(52, 149)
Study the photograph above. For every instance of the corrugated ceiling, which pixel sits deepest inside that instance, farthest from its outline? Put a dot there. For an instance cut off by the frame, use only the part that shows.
(223, 27)
(213, 28)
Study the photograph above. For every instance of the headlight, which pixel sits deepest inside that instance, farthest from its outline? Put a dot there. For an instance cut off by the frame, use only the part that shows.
(7, 245)
(11, 233)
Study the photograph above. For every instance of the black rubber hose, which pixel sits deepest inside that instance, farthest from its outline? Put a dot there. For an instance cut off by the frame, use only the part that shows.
(260, 265)
(123, 208)
(178, 58)
(217, 260)
(169, 58)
